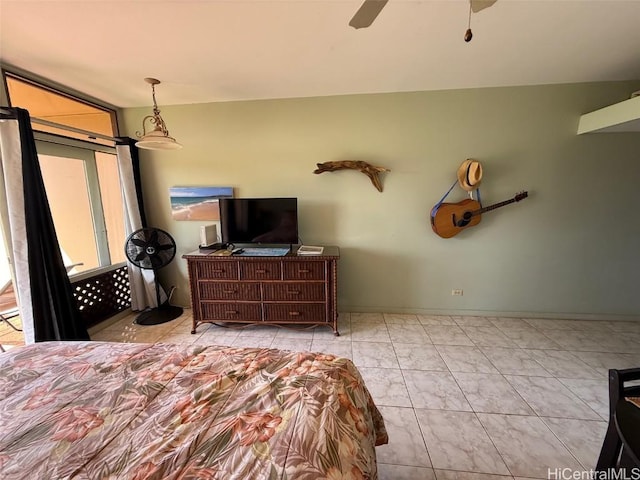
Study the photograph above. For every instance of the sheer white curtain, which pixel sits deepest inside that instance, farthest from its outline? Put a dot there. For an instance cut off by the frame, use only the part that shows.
(14, 223)
(142, 282)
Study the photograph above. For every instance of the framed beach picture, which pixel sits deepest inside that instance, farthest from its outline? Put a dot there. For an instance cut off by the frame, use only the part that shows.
(197, 203)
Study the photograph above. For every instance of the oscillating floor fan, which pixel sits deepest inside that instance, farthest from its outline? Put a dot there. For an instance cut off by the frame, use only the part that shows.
(152, 249)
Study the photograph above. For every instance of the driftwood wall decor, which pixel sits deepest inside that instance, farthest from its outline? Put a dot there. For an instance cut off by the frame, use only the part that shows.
(369, 170)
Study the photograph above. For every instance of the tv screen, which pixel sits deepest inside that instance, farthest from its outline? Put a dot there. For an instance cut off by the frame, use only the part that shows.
(259, 220)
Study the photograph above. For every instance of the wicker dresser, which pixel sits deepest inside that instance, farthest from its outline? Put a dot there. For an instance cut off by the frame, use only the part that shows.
(292, 291)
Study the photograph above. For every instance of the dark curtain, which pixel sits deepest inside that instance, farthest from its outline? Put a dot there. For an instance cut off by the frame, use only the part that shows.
(135, 161)
(55, 311)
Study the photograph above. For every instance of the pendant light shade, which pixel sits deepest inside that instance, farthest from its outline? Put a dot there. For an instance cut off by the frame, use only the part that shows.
(158, 138)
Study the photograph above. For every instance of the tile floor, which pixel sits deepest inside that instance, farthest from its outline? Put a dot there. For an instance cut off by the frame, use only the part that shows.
(463, 397)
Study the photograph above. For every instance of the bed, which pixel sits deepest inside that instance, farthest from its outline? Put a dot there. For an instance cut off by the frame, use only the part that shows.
(89, 410)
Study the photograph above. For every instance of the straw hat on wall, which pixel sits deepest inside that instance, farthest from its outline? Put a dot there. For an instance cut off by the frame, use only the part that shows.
(470, 174)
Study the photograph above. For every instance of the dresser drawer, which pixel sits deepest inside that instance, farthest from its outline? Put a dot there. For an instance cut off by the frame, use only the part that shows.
(292, 312)
(228, 291)
(260, 271)
(303, 270)
(217, 270)
(294, 292)
(231, 311)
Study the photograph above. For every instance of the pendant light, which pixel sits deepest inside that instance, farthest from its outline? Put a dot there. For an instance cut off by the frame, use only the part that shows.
(158, 138)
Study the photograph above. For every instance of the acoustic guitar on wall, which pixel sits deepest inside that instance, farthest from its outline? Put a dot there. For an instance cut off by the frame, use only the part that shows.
(449, 219)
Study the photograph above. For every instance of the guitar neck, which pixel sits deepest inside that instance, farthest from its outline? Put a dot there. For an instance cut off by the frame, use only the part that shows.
(493, 207)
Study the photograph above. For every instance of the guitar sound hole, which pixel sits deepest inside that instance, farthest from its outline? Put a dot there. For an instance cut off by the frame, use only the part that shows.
(464, 221)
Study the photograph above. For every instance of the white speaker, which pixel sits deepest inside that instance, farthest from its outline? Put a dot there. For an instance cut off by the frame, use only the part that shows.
(208, 235)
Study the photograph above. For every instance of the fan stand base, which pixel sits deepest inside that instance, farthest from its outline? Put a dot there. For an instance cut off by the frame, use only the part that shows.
(155, 316)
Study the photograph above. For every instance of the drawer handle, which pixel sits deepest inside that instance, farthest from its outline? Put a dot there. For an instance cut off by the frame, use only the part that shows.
(261, 271)
(295, 314)
(303, 271)
(293, 292)
(231, 312)
(228, 291)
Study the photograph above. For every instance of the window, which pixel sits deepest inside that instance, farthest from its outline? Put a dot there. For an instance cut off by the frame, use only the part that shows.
(79, 170)
(84, 195)
(112, 206)
(49, 105)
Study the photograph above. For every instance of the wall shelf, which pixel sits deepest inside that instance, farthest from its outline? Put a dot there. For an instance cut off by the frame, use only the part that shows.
(620, 117)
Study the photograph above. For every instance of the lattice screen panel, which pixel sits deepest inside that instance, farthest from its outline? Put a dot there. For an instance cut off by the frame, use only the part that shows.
(103, 295)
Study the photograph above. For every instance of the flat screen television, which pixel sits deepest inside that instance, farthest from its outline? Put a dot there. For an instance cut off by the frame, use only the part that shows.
(259, 220)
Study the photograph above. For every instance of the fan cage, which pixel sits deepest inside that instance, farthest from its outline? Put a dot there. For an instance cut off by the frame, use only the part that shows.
(141, 248)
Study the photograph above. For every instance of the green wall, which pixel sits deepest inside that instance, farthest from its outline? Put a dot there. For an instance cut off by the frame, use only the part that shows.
(569, 250)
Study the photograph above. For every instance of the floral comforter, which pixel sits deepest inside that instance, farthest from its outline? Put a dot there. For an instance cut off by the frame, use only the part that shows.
(93, 410)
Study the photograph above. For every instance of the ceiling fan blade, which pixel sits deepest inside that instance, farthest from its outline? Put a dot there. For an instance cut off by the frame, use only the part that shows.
(477, 5)
(367, 13)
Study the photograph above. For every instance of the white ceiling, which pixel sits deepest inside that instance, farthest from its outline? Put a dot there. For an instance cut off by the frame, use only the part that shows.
(222, 50)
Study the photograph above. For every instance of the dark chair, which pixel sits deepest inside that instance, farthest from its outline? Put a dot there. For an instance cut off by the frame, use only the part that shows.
(621, 446)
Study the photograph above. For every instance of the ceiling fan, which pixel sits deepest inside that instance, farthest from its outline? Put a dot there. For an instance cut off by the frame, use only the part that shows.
(370, 9)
